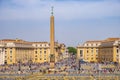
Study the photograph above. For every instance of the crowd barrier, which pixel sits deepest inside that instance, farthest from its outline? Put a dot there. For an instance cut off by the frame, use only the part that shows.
(71, 78)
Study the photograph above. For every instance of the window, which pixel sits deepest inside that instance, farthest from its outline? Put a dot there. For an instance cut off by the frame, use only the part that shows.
(35, 58)
(117, 55)
(5, 62)
(44, 48)
(44, 58)
(40, 58)
(117, 59)
(10, 60)
(86, 44)
(40, 51)
(81, 53)
(40, 55)
(10, 51)
(44, 55)
(36, 52)
(56, 50)
(92, 51)
(87, 51)
(96, 51)
(44, 51)
(91, 44)
(117, 50)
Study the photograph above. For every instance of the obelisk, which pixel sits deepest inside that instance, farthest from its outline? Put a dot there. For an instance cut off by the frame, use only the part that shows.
(52, 41)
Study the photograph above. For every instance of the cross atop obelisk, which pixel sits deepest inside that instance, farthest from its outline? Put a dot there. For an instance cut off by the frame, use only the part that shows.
(52, 41)
(52, 10)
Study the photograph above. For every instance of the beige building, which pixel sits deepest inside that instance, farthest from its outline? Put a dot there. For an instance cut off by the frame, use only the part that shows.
(61, 48)
(100, 51)
(41, 52)
(66, 54)
(88, 51)
(15, 51)
(2, 53)
(109, 50)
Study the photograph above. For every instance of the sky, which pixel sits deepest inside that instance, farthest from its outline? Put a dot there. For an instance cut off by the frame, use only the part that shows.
(76, 21)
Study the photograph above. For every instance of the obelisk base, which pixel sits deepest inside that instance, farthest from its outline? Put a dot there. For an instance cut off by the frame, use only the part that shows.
(52, 66)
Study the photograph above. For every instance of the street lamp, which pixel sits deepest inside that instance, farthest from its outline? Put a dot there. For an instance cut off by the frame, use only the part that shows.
(79, 65)
(19, 68)
(30, 62)
(5, 64)
(119, 50)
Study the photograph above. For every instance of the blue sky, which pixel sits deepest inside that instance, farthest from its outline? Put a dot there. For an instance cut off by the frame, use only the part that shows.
(76, 21)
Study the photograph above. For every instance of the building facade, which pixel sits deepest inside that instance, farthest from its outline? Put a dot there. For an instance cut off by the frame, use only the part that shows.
(100, 51)
(66, 54)
(41, 52)
(20, 51)
(88, 51)
(2, 53)
(17, 51)
(109, 51)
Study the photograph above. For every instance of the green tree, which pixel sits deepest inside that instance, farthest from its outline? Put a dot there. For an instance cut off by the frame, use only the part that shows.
(72, 50)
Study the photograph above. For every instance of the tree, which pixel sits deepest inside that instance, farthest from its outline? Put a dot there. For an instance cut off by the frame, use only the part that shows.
(72, 50)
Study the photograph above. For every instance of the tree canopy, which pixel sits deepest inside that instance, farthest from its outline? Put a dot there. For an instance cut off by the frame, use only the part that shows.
(72, 50)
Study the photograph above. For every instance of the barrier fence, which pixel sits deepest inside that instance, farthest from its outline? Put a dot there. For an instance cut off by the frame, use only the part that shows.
(38, 76)
(69, 78)
(62, 78)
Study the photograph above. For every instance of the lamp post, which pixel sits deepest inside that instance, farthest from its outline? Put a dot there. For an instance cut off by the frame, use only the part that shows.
(119, 50)
(5, 65)
(30, 62)
(79, 65)
(19, 68)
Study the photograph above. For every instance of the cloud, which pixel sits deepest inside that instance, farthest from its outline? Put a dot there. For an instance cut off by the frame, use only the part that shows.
(39, 9)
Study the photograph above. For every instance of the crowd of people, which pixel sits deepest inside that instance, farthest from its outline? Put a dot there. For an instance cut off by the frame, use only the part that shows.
(69, 66)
